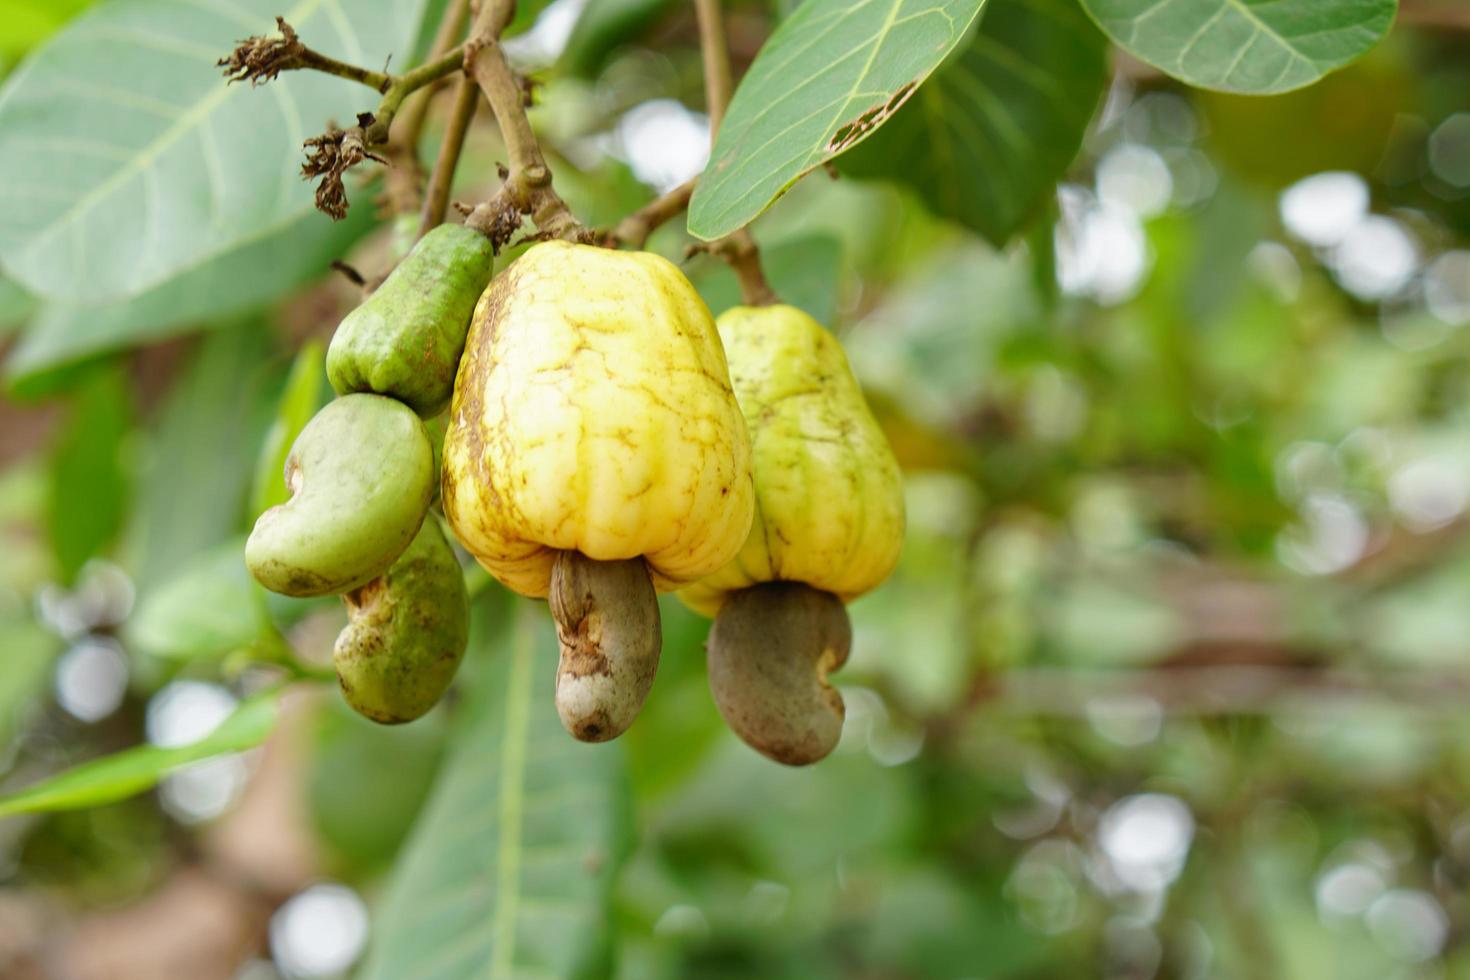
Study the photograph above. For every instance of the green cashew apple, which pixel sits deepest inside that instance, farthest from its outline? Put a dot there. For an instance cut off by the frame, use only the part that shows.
(406, 632)
(361, 475)
(405, 339)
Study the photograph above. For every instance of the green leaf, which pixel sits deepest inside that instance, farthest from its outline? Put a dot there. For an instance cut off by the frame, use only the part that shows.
(206, 609)
(299, 402)
(128, 161)
(363, 826)
(1256, 47)
(29, 22)
(828, 76)
(192, 492)
(15, 305)
(606, 25)
(30, 650)
(986, 139)
(252, 275)
(127, 773)
(89, 484)
(509, 867)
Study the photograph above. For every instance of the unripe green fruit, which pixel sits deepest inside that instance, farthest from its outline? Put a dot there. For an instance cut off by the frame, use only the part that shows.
(361, 475)
(406, 632)
(405, 339)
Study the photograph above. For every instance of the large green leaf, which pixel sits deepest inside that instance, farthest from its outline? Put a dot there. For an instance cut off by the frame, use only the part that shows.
(986, 139)
(125, 159)
(361, 825)
(508, 869)
(116, 777)
(29, 22)
(15, 305)
(192, 490)
(211, 607)
(89, 479)
(1251, 46)
(206, 609)
(253, 274)
(30, 650)
(833, 72)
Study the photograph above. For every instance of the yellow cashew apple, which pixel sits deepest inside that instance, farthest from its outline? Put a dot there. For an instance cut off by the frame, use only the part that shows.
(595, 444)
(829, 524)
(829, 494)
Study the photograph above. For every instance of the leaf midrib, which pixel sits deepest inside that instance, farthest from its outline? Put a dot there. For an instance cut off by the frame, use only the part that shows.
(511, 796)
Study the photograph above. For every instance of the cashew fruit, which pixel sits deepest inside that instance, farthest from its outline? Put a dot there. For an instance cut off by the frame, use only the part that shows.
(361, 475)
(770, 651)
(596, 452)
(405, 339)
(593, 413)
(406, 632)
(829, 494)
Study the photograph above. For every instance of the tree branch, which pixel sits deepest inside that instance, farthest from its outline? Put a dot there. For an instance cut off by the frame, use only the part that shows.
(715, 51)
(436, 199)
(527, 183)
(406, 175)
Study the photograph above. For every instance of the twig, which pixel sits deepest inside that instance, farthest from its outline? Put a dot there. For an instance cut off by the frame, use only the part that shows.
(636, 227)
(436, 199)
(1449, 15)
(715, 50)
(406, 174)
(408, 83)
(261, 59)
(739, 249)
(527, 183)
(415, 112)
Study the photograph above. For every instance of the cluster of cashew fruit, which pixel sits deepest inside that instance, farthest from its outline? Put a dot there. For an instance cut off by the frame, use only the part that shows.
(600, 449)
(362, 476)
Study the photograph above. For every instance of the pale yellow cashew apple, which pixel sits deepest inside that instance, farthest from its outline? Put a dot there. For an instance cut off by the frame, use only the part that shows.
(593, 419)
(829, 525)
(829, 494)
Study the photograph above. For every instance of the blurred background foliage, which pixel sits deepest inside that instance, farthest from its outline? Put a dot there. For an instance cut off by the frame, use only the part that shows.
(1170, 681)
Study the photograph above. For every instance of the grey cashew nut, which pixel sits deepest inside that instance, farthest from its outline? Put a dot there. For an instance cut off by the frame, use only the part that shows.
(770, 650)
(607, 620)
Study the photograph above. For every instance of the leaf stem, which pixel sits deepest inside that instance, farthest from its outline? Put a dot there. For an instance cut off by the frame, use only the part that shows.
(739, 249)
(636, 227)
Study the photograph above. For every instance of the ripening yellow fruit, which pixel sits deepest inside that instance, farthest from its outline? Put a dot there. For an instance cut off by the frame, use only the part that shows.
(829, 493)
(593, 413)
